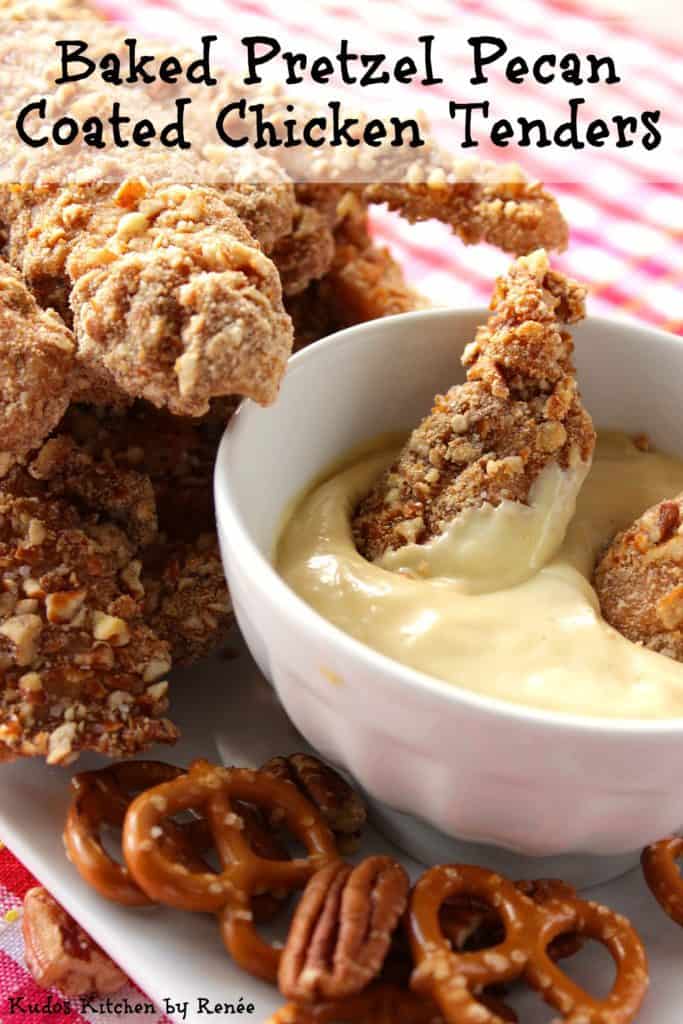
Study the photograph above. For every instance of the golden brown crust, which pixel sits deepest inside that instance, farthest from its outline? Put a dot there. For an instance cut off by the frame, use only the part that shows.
(516, 216)
(363, 283)
(151, 473)
(172, 299)
(176, 453)
(36, 368)
(306, 252)
(80, 668)
(639, 580)
(489, 439)
(187, 602)
(124, 495)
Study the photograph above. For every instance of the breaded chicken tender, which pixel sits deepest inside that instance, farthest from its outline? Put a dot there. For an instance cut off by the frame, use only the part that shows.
(306, 253)
(516, 215)
(123, 495)
(363, 282)
(36, 367)
(489, 439)
(186, 597)
(81, 670)
(639, 580)
(479, 200)
(172, 299)
(175, 454)
(187, 602)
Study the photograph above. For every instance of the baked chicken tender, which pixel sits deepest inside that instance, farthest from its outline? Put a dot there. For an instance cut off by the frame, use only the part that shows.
(489, 439)
(363, 282)
(172, 299)
(186, 598)
(36, 366)
(639, 580)
(187, 602)
(81, 670)
(516, 215)
(479, 200)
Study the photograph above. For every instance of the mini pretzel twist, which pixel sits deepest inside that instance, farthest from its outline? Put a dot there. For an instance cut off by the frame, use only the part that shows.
(216, 793)
(101, 798)
(470, 924)
(663, 876)
(452, 979)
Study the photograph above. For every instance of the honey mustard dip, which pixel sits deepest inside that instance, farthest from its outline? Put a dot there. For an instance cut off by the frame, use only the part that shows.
(502, 604)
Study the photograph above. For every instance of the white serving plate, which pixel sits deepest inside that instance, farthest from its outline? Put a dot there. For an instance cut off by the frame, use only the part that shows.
(228, 713)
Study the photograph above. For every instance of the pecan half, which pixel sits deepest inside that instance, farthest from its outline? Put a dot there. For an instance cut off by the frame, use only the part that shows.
(341, 931)
(339, 804)
(58, 952)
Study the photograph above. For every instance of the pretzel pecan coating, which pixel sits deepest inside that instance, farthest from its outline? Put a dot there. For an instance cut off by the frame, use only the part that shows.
(36, 365)
(123, 495)
(639, 580)
(59, 953)
(177, 453)
(80, 668)
(363, 282)
(172, 298)
(489, 439)
(187, 601)
(342, 929)
(339, 804)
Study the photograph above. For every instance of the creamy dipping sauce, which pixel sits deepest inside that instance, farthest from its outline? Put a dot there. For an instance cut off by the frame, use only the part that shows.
(542, 642)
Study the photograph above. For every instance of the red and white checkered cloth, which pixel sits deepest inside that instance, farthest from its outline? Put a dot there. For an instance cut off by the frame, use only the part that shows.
(627, 229)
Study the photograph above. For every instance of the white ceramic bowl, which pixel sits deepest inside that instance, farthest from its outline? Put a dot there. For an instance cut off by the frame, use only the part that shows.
(483, 770)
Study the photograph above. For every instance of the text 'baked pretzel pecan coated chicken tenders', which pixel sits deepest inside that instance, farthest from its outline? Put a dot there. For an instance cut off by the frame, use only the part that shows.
(172, 299)
(486, 485)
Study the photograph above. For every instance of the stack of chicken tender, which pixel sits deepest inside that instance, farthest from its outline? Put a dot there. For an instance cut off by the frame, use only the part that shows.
(135, 310)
